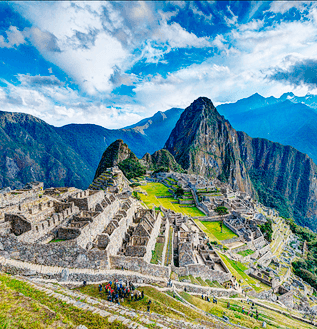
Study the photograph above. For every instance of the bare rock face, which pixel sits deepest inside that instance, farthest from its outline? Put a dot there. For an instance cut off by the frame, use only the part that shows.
(205, 143)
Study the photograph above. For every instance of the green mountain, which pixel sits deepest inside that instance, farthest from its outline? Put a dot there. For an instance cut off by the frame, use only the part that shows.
(32, 150)
(282, 120)
(205, 143)
(119, 154)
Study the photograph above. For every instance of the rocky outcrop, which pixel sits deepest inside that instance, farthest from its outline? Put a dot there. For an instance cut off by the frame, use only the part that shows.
(115, 153)
(161, 159)
(203, 142)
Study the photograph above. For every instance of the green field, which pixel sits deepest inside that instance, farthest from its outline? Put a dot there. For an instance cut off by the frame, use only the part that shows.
(157, 189)
(214, 231)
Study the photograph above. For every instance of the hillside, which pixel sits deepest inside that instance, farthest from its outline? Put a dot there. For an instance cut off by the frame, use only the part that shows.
(203, 142)
(69, 155)
(285, 120)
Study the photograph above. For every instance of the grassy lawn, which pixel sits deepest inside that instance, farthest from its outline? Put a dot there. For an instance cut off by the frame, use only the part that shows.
(273, 319)
(213, 228)
(237, 269)
(23, 306)
(157, 189)
(246, 252)
(157, 253)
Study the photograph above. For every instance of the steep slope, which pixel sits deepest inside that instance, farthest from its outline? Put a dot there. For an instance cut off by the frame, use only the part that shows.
(32, 150)
(282, 121)
(118, 154)
(161, 160)
(148, 135)
(205, 143)
(69, 155)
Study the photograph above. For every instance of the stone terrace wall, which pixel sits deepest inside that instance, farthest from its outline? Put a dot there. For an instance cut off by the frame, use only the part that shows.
(53, 254)
(118, 234)
(203, 271)
(151, 243)
(137, 264)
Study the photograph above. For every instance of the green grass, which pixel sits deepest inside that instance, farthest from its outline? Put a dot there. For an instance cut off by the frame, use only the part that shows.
(246, 252)
(214, 231)
(161, 303)
(272, 318)
(237, 269)
(157, 189)
(56, 240)
(157, 253)
(214, 284)
(23, 306)
(193, 280)
(201, 281)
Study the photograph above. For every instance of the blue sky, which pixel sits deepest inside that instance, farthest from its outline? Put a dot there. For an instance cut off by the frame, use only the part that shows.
(114, 63)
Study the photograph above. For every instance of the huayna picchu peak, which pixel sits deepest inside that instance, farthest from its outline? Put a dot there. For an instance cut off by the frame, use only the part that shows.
(204, 142)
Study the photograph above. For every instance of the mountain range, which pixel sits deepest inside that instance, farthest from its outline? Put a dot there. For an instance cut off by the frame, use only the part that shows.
(31, 149)
(289, 120)
(198, 140)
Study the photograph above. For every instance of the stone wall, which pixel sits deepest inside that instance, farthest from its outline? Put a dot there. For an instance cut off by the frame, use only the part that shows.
(118, 234)
(154, 233)
(53, 254)
(138, 264)
(203, 271)
(232, 228)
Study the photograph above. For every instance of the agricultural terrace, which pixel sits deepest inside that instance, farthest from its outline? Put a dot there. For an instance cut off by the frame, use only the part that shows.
(213, 231)
(155, 190)
(238, 270)
(272, 318)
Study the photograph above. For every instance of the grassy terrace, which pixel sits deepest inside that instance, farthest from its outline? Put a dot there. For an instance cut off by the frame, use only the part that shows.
(237, 269)
(23, 306)
(246, 252)
(154, 190)
(273, 319)
(157, 253)
(214, 232)
(161, 303)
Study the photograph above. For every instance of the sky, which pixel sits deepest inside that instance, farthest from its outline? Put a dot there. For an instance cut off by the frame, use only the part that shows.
(115, 63)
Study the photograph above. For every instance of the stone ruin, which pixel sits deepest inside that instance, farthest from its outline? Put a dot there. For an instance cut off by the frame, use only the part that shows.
(141, 236)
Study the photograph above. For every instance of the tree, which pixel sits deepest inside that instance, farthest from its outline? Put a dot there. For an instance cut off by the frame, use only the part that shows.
(179, 192)
(221, 210)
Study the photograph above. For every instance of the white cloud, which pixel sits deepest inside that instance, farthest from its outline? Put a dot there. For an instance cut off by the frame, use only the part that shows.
(14, 38)
(282, 7)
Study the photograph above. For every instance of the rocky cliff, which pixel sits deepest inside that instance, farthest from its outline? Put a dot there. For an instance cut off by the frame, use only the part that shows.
(283, 177)
(203, 142)
(161, 159)
(117, 154)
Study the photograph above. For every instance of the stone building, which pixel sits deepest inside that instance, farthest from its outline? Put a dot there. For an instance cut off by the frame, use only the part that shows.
(142, 234)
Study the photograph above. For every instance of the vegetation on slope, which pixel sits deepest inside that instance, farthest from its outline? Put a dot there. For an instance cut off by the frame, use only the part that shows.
(23, 306)
(306, 268)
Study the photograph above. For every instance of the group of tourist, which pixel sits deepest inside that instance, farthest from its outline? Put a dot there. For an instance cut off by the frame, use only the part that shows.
(206, 298)
(119, 291)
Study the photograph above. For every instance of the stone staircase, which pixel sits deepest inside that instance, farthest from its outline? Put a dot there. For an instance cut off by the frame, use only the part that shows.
(114, 312)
